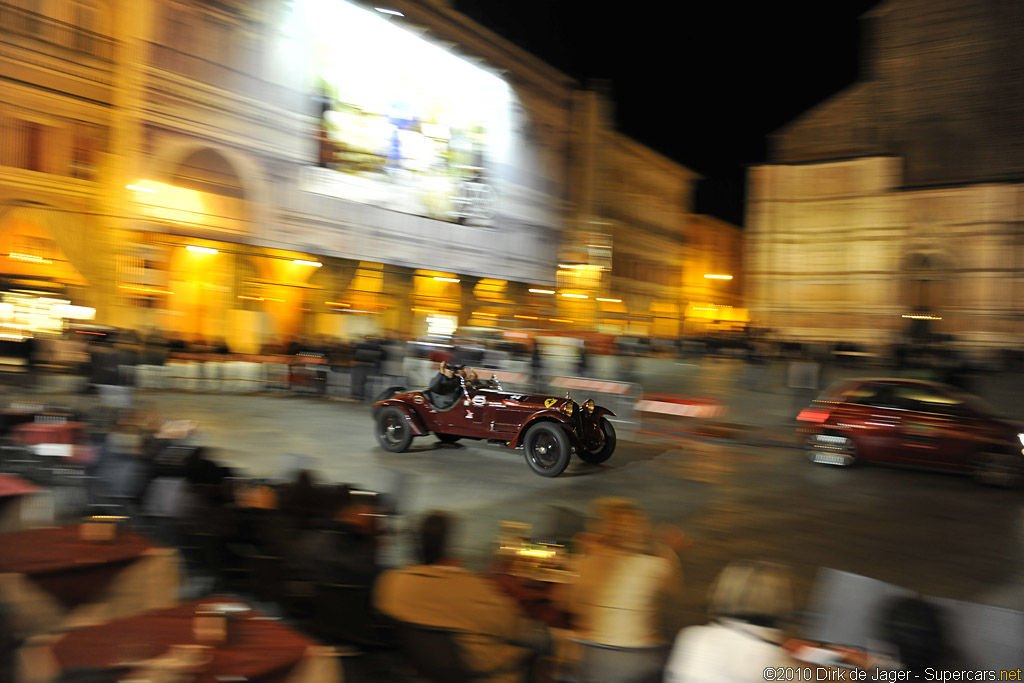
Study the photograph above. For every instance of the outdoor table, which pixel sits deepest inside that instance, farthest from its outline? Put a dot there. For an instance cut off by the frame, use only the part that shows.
(66, 439)
(256, 649)
(52, 579)
(15, 494)
(533, 588)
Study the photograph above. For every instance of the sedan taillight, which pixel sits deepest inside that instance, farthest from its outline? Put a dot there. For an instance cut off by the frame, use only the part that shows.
(813, 415)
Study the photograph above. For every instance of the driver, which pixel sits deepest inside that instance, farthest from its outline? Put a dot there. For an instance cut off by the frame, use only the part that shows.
(446, 388)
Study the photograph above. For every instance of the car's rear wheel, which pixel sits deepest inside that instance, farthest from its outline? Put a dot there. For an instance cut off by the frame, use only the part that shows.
(393, 430)
(832, 449)
(1005, 470)
(448, 438)
(547, 449)
(602, 453)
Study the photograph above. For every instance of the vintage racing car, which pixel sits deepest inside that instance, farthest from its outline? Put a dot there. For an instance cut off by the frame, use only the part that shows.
(548, 429)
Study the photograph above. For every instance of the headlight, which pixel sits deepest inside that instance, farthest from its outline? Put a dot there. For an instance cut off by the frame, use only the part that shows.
(1021, 437)
(567, 408)
(589, 405)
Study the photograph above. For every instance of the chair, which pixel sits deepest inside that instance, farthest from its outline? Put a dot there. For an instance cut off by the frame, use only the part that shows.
(344, 614)
(601, 663)
(434, 653)
(560, 524)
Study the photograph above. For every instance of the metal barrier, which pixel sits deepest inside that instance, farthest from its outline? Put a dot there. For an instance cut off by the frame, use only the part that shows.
(657, 414)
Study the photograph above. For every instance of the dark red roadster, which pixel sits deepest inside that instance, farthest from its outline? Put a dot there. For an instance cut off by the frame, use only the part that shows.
(548, 429)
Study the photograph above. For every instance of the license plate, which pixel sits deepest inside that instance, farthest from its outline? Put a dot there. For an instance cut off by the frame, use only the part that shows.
(830, 458)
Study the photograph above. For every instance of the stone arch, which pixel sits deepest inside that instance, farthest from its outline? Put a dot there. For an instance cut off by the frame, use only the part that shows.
(172, 154)
(70, 242)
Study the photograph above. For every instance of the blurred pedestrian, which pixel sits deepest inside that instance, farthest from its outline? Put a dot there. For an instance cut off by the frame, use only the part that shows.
(802, 381)
(623, 581)
(536, 368)
(750, 605)
(583, 362)
(366, 362)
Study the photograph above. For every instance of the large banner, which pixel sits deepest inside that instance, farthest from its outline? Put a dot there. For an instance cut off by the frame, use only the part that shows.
(409, 126)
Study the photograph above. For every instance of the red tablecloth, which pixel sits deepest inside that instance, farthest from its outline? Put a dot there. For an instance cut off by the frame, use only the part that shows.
(70, 569)
(34, 433)
(11, 486)
(257, 649)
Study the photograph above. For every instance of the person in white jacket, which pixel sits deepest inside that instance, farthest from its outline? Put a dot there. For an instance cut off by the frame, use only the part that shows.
(750, 603)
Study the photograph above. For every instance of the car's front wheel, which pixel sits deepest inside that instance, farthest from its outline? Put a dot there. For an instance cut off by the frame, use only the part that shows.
(547, 449)
(604, 451)
(1000, 469)
(393, 430)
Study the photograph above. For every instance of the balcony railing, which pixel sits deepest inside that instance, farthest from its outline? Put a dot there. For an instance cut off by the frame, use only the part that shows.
(21, 22)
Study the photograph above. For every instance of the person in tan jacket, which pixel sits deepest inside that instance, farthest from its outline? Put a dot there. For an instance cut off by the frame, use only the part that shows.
(496, 639)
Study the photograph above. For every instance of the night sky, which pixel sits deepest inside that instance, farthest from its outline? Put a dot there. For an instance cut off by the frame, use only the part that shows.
(701, 83)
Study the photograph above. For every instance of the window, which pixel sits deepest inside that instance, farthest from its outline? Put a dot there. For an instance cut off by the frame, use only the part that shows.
(33, 146)
(85, 16)
(927, 400)
(142, 276)
(82, 163)
(876, 395)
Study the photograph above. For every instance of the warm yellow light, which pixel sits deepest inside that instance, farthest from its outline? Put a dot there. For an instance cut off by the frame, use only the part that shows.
(302, 262)
(717, 277)
(612, 301)
(446, 279)
(559, 320)
(485, 315)
(574, 266)
(146, 290)
(575, 296)
(29, 258)
(525, 317)
(543, 291)
(201, 250)
(922, 317)
(338, 303)
(141, 188)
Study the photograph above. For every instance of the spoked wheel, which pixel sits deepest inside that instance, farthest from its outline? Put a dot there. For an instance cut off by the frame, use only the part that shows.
(393, 430)
(601, 453)
(1005, 470)
(547, 449)
(832, 449)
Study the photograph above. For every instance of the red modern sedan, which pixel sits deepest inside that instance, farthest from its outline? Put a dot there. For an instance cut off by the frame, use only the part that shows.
(911, 422)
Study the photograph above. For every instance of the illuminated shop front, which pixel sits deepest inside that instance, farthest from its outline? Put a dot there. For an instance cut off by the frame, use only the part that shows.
(41, 289)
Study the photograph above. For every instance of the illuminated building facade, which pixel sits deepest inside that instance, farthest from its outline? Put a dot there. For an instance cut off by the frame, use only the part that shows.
(898, 201)
(251, 170)
(713, 276)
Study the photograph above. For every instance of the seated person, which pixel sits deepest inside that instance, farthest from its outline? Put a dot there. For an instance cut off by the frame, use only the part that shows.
(496, 639)
(750, 603)
(340, 549)
(445, 389)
